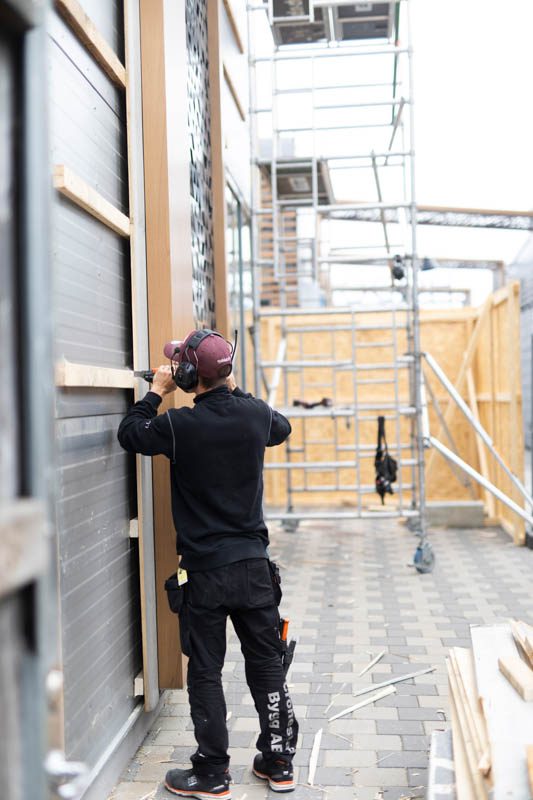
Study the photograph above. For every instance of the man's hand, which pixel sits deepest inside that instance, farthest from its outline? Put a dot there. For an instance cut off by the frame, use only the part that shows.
(230, 382)
(163, 382)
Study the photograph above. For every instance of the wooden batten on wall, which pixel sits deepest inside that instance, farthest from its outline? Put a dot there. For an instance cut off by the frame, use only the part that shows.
(169, 269)
(92, 39)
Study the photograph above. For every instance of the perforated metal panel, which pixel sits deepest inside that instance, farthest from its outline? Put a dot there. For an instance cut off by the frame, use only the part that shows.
(199, 123)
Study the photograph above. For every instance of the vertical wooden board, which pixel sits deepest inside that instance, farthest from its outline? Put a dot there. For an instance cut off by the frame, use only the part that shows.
(168, 226)
(140, 348)
(463, 781)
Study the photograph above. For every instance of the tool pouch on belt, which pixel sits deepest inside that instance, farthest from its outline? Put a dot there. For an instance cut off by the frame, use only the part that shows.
(175, 593)
(177, 603)
(276, 581)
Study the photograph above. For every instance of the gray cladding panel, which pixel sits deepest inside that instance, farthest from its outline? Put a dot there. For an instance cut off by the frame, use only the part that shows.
(8, 445)
(77, 402)
(87, 117)
(108, 17)
(99, 581)
(98, 563)
(93, 303)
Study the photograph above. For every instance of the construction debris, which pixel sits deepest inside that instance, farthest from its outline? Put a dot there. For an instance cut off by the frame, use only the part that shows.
(492, 725)
(391, 681)
(523, 636)
(313, 761)
(378, 696)
(519, 674)
(372, 663)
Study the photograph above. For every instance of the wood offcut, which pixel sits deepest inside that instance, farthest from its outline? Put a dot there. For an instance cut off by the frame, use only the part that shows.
(519, 675)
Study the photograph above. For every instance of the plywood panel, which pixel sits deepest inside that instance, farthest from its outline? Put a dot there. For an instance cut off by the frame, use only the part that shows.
(446, 335)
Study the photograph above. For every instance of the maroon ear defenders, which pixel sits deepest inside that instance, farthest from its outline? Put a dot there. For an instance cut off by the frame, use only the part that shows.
(185, 373)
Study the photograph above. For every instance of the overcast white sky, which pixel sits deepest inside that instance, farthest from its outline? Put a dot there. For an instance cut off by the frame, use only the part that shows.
(473, 91)
(474, 113)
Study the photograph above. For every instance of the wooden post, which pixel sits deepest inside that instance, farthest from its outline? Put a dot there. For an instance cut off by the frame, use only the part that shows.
(169, 268)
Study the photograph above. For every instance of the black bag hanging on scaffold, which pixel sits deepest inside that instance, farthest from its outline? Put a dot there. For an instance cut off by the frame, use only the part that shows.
(386, 466)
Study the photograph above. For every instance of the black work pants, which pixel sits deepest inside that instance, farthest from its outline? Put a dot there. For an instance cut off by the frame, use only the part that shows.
(243, 591)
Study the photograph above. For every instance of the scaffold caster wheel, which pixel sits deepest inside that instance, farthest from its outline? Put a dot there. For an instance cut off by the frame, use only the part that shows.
(424, 559)
(290, 525)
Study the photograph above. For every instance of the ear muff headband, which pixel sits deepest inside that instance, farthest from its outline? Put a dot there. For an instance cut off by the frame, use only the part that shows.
(186, 373)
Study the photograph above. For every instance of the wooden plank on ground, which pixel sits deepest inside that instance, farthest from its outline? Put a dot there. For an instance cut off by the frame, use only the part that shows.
(75, 189)
(463, 780)
(519, 675)
(465, 713)
(465, 664)
(509, 718)
(529, 756)
(92, 39)
(466, 732)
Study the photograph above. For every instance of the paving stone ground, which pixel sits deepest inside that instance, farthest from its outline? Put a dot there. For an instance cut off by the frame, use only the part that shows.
(351, 593)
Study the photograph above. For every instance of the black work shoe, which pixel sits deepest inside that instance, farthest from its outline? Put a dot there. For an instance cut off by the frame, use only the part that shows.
(187, 784)
(278, 773)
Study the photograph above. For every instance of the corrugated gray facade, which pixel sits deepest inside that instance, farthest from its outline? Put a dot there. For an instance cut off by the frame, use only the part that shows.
(522, 269)
(98, 562)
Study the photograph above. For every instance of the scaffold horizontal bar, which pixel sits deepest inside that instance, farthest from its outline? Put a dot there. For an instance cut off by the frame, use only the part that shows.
(370, 104)
(370, 449)
(340, 365)
(331, 413)
(354, 489)
(333, 328)
(337, 207)
(370, 288)
(336, 87)
(307, 312)
(311, 465)
(310, 128)
(322, 157)
(338, 52)
(316, 515)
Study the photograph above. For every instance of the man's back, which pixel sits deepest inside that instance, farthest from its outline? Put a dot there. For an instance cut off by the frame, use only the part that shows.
(216, 451)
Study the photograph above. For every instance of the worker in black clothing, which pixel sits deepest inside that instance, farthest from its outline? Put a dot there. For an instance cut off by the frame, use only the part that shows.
(216, 450)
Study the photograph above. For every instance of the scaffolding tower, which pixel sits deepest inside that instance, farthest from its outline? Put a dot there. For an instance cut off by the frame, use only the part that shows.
(333, 99)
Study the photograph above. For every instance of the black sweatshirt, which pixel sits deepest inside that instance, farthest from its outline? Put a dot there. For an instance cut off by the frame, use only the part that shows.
(216, 450)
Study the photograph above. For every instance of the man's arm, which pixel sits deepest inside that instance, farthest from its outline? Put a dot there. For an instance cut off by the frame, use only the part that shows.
(141, 430)
(280, 428)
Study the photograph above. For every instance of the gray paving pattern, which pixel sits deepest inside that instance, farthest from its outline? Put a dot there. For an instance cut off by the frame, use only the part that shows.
(350, 592)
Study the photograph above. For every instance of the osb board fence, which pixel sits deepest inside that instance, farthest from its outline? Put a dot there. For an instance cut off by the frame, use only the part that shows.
(478, 346)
